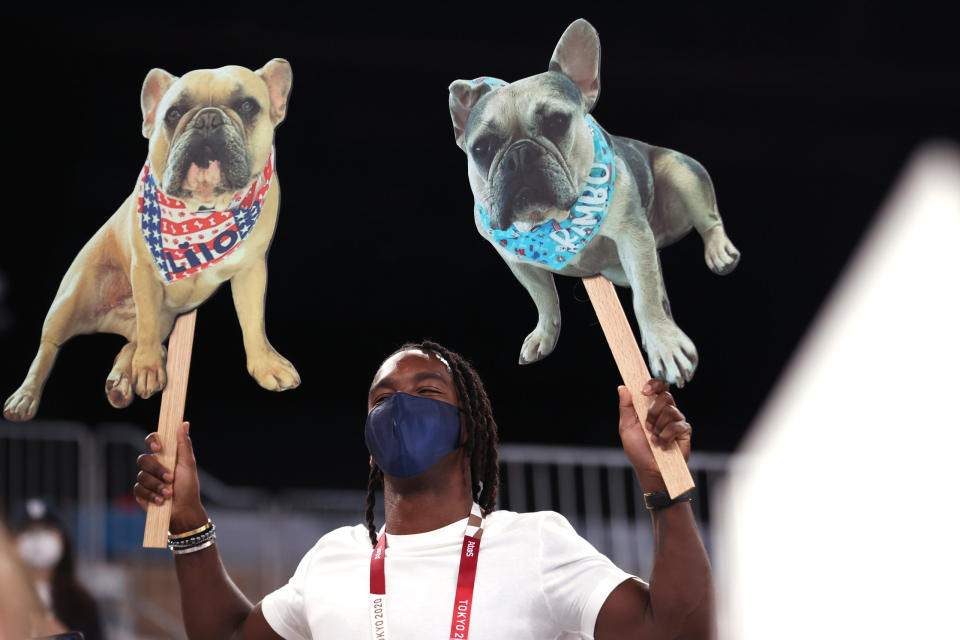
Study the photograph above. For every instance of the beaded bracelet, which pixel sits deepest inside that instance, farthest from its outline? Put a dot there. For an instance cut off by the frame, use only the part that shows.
(193, 541)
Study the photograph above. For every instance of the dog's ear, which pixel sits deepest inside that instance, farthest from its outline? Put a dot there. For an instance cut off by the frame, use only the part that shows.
(464, 94)
(154, 86)
(578, 56)
(278, 76)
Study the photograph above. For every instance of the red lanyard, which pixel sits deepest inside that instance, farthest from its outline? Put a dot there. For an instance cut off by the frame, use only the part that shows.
(463, 603)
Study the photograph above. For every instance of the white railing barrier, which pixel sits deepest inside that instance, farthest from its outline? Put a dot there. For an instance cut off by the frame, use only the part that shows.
(596, 490)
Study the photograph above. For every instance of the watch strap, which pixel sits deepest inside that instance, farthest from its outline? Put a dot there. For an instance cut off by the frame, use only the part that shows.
(662, 499)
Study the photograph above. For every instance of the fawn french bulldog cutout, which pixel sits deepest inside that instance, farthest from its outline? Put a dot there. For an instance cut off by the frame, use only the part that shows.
(201, 211)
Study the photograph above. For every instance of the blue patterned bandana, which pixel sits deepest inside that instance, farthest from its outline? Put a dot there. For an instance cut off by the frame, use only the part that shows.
(555, 243)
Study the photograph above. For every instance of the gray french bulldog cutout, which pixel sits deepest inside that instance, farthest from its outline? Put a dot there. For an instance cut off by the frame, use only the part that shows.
(556, 193)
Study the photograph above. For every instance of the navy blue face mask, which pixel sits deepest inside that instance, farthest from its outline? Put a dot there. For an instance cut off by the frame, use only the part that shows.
(406, 435)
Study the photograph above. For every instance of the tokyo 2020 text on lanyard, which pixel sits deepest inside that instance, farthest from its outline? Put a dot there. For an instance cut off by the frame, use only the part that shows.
(463, 602)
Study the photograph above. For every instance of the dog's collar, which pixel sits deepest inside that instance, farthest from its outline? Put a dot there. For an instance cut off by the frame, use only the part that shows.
(184, 242)
(553, 243)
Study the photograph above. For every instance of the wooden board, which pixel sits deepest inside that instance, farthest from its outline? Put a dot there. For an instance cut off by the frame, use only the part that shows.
(633, 370)
(179, 350)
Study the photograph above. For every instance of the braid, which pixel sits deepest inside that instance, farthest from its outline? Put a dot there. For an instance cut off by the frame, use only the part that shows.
(376, 477)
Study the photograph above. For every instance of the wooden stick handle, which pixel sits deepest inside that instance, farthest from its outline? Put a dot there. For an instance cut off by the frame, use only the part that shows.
(179, 350)
(635, 374)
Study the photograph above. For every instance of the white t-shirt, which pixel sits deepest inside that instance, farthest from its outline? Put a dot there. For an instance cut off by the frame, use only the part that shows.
(536, 579)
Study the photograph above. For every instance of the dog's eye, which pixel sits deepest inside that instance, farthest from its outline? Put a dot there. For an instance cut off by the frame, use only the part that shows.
(483, 148)
(247, 108)
(555, 125)
(173, 115)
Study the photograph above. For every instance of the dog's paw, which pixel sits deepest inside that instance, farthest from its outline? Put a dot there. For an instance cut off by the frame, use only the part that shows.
(21, 405)
(539, 344)
(273, 372)
(149, 370)
(119, 391)
(718, 252)
(118, 387)
(671, 355)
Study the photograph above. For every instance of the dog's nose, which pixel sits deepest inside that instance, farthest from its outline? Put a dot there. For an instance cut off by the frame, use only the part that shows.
(518, 157)
(208, 120)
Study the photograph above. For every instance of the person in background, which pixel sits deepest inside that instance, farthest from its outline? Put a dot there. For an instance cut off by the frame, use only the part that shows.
(43, 544)
(21, 612)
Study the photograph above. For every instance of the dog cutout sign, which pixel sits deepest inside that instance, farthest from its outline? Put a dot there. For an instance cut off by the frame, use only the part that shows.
(202, 211)
(555, 193)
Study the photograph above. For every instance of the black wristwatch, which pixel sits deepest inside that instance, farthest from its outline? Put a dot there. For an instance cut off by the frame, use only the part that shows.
(662, 499)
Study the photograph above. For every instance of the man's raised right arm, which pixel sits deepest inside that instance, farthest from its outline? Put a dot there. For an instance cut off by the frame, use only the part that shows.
(212, 605)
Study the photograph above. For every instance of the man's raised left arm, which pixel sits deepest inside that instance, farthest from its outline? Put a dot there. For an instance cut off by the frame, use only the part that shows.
(679, 602)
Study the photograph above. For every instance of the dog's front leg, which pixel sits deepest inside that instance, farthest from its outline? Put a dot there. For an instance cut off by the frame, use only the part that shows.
(271, 370)
(670, 353)
(153, 324)
(539, 284)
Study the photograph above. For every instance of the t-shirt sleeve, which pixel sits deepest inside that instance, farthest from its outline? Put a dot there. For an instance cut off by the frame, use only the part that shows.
(576, 578)
(284, 609)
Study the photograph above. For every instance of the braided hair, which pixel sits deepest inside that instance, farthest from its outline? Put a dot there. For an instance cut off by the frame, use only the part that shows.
(481, 444)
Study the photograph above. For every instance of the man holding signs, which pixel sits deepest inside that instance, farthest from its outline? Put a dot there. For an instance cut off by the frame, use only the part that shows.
(445, 558)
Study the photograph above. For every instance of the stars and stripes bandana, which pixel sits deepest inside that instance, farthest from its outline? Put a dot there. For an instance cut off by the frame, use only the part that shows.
(554, 243)
(184, 242)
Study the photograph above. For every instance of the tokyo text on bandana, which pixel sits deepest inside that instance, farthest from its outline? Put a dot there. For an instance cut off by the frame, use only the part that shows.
(184, 242)
(554, 243)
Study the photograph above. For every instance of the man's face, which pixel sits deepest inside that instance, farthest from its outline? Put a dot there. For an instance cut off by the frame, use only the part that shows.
(414, 372)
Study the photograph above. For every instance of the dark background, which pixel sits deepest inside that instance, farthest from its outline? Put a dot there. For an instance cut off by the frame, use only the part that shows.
(803, 116)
